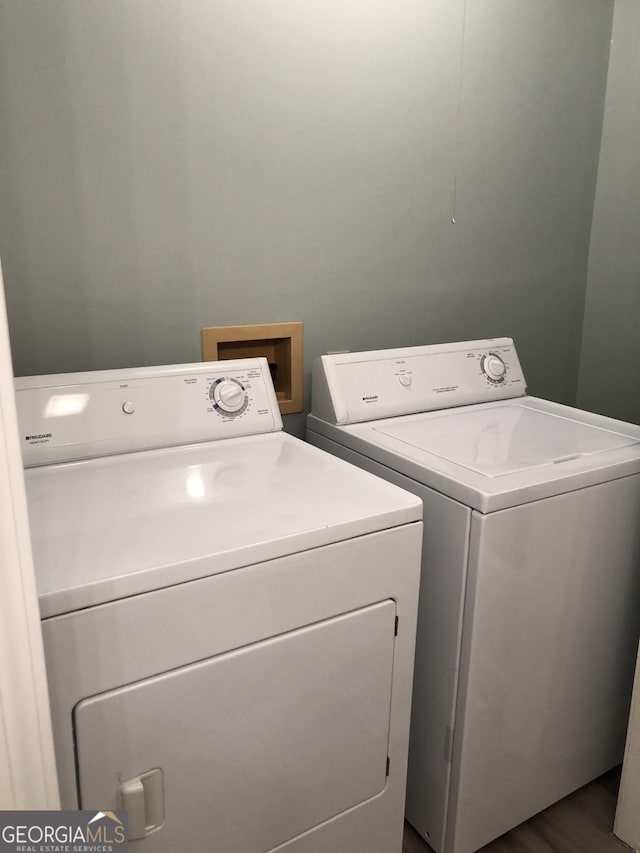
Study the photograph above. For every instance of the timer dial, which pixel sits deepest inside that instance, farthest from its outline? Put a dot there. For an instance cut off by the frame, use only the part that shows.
(229, 396)
(493, 367)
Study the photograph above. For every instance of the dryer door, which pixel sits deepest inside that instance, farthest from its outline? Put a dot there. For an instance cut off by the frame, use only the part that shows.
(257, 745)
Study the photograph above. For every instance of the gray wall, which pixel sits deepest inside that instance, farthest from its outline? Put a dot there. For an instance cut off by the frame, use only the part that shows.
(169, 165)
(610, 364)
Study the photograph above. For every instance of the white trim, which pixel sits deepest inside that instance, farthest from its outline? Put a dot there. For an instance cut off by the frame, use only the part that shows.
(27, 765)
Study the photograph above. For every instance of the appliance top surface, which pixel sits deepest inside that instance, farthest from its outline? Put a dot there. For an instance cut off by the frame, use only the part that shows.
(494, 455)
(508, 438)
(119, 525)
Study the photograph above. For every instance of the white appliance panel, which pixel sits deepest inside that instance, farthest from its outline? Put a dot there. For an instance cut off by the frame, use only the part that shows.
(515, 485)
(108, 527)
(505, 439)
(445, 552)
(353, 387)
(548, 655)
(103, 648)
(78, 415)
(248, 765)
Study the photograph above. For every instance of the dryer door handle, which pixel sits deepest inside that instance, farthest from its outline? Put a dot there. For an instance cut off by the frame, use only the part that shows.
(143, 799)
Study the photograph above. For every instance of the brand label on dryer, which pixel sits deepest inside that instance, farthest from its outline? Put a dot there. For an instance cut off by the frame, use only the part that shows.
(39, 438)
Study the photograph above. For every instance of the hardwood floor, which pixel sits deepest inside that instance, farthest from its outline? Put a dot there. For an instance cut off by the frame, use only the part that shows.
(581, 823)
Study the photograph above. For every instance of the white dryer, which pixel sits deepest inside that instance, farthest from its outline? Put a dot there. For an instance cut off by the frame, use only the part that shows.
(228, 613)
(528, 619)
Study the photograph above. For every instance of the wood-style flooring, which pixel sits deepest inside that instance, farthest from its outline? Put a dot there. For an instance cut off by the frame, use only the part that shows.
(581, 823)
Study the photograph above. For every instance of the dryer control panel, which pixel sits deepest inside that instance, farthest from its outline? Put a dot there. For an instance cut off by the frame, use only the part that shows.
(354, 387)
(80, 415)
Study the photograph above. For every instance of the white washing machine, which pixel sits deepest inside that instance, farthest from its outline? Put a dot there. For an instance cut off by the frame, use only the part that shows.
(528, 619)
(228, 613)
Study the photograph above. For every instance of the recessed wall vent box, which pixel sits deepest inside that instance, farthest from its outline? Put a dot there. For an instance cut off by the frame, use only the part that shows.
(280, 343)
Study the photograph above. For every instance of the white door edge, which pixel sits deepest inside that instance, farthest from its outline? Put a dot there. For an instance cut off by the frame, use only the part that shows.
(27, 764)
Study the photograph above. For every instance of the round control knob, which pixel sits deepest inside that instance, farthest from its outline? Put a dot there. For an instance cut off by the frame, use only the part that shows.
(405, 380)
(494, 367)
(229, 395)
(128, 408)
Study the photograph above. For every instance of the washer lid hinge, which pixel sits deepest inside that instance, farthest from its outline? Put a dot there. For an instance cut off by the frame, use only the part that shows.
(396, 628)
(388, 765)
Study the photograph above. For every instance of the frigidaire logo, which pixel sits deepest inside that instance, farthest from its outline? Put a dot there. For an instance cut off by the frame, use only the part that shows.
(63, 832)
(40, 435)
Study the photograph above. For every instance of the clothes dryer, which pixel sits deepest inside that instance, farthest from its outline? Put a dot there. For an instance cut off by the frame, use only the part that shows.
(528, 619)
(228, 613)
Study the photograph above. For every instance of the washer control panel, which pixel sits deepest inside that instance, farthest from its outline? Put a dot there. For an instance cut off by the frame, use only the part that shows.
(493, 367)
(354, 387)
(79, 415)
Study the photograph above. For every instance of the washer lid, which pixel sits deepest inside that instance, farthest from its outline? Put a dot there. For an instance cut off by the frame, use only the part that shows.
(493, 456)
(505, 439)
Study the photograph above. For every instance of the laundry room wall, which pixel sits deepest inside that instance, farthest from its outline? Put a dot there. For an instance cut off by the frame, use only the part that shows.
(610, 359)
(610, 362)
(390, 172)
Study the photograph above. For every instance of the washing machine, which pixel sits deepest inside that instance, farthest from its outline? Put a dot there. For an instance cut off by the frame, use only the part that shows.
(228, 613)
(528, 619)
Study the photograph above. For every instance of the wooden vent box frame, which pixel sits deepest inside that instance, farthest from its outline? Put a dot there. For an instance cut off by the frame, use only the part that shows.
(280, 343)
